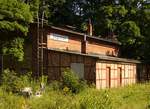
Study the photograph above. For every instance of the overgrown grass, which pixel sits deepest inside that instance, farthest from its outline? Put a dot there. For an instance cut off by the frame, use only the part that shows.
(130, 97)
(69, 93)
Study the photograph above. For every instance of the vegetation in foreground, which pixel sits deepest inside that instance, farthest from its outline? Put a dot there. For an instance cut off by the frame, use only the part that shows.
(131, 97)
(70, 93)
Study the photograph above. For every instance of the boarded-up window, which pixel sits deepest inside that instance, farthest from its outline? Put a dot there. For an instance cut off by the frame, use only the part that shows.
(78, 68)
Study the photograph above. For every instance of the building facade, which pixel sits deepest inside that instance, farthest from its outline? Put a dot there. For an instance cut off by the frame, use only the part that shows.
(92, 58)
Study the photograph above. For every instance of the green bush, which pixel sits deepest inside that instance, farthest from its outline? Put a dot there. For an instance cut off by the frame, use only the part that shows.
(55, 85)
(12, 82)
(71, 81)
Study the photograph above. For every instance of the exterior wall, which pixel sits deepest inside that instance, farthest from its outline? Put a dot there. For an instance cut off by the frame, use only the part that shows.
(109, 75)
(76, 43)
(73, 44)
(100, 48)
(58, 61)
(103, 74)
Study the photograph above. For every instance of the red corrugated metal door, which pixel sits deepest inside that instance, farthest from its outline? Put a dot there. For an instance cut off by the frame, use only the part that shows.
(108, 77)
(119, 70)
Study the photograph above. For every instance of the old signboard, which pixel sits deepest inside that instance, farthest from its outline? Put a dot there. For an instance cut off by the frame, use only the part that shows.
(58, 37)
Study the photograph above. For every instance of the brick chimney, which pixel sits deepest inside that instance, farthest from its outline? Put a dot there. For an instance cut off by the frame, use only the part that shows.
(83, 45)
(90, 28)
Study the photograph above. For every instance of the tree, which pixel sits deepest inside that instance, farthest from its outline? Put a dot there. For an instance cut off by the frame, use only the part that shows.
(131, 39)
(128, 19)
(144, 23)
(14, 19)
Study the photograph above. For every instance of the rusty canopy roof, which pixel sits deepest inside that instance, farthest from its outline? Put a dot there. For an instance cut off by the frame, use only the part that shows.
(98, 56)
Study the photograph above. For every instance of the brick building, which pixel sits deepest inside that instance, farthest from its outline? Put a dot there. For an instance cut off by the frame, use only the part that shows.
(92, 58)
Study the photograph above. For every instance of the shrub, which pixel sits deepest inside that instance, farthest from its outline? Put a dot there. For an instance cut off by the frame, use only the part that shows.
(72, 81)
(83, 85)
(55, 85)
(11, 82)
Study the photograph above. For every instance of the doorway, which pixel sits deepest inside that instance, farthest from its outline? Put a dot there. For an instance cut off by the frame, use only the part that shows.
(119, 70)
(108, 77)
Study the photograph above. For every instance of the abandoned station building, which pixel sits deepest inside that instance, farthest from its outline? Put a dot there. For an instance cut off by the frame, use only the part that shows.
(92, 58)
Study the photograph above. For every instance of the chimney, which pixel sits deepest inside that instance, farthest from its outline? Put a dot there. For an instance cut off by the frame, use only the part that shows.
(83, 45)
(90, 28)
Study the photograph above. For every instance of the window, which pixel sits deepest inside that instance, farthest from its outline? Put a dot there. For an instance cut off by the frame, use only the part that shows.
(78, 68)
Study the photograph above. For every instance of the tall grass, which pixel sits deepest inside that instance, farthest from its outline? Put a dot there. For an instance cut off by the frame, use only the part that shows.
(130, 97)
(70, 93)
(11, 101)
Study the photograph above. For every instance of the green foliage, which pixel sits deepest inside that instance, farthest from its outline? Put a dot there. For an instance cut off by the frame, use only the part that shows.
(43, 79)
(10, 101)
(55, 85)
(129, 97)
(12, 82)
(93, 99)
(131, 39)
(69, 83)
(34, 7)
(71, 80)
(54, 100)
(122, 11)
(13, 26)
(84, 27)
(129, 33)
(15, 17)
(109, 25)
(128, 19)
(15, 47)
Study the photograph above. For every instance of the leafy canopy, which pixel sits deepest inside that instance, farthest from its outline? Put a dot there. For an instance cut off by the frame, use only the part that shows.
(14, 19)
(14, 16)
(128, 19)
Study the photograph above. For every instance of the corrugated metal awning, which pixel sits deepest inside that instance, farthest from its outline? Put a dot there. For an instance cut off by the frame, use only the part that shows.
(99, 56)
